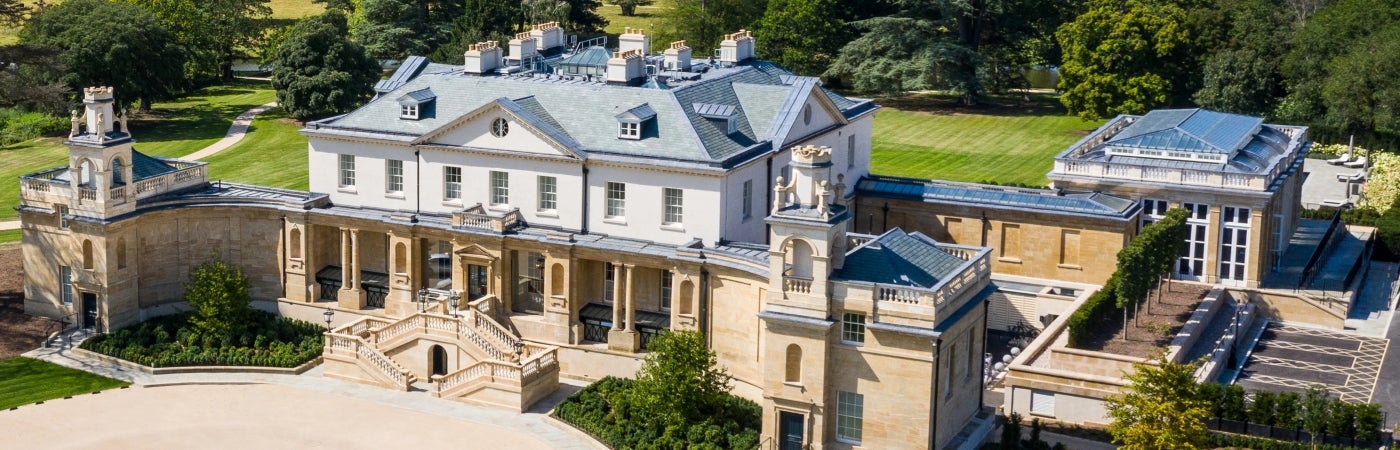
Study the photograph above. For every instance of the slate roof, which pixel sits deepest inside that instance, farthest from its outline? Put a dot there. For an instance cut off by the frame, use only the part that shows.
(143, 166)
(899, 258)
(418, 96)
(1022, 199)
(759, 95)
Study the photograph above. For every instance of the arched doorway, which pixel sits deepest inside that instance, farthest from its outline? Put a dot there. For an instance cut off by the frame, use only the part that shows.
(438, 358)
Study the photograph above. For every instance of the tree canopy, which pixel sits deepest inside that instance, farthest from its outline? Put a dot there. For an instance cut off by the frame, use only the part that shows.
(218, 291)
(1122, 57)
(681, 379)
(318, 71)
(802, 35)
(629, 7)
(702, 23)
(212, 32)
(111, 44)
(12, 12)
(1159, 408)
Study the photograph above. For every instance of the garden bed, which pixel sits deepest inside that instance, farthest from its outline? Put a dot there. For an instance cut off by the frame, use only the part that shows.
(171, 341)
(604, 410)
(1152, 331)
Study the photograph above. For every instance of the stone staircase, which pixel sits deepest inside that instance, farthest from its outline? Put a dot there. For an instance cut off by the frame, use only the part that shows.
(495, 367)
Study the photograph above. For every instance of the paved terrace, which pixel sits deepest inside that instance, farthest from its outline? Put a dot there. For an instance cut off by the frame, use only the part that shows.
(1291, 358)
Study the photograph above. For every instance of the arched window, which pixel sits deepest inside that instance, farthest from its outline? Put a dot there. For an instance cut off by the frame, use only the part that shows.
(295, 243)
(687, 297)
(800, 258)
(793, 373)
(87, 254)
(556, 279)
(400, 258)
(117, 170)
(121, 253)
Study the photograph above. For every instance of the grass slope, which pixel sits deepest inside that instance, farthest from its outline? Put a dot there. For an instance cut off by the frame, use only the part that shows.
(8, 236)
(647, 17)
(272, 154)
(1007, 141)
(25, 380)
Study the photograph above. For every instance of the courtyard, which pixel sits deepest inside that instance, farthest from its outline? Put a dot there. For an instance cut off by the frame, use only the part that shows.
(267, 416)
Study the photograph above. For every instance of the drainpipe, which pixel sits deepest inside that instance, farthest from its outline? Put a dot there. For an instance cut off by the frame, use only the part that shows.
(418, 184)
(937, 398)
(768, 196)
(705, 306)
(885, 217)
(982, 393)
(583, 221)
(985, 226)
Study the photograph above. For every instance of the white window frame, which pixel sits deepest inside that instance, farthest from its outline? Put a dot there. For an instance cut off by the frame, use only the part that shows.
(672, 206)
(851, 151)
(850, 417)
(748, 199)
(408, 112)
(500, 188)
(629, 130)
(63, 217)
(548, 200)
(65, 283)
(1153, 210)
(452, 183)
(615, 206)
(609, 281)
(347, 171)
(393, 176)
(853, 328)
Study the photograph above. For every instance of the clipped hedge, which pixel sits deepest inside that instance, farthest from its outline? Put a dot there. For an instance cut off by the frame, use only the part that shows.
(1237, 441)
(1096, 313)
(605, 409)
(171, 341)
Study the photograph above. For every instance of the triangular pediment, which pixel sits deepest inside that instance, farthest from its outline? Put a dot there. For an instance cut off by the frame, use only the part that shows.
(506, 125)
(472, 250)
(806, 111)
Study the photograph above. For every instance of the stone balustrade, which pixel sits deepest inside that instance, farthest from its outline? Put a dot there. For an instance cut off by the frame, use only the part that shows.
(44, 187)
(478, 218)
(798, 285)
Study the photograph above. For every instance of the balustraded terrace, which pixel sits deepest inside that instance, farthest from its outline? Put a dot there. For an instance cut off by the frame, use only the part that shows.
(924, 306)
(52, 187)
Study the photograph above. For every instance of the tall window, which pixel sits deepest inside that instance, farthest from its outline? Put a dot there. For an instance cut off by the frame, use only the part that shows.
(500, 188)
(850, 151)
(748, 199)
(452, 183)
(673, 206)
(63, 216)
(65, 284)
(609, 281)
(1153, 210)
(347, 171)
(1193, 260)
(665, 290)
(549, 197)
(952, 356)
(967, 365)
(617, 200)
(1234, 243)
(393, 176)
(850, 413)
(853, 328)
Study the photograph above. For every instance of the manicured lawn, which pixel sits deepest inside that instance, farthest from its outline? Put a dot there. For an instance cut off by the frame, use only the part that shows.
(294, 9)
(647, 17)
(25, 380)
(23, 158)
(272, 154)
(8, 236)
(1009, 142)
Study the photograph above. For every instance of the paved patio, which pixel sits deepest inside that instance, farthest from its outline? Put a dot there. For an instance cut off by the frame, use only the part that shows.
(1291, 358)
(1321, 183)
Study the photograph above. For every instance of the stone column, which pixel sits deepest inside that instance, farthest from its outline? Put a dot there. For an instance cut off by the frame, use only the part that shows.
(1210, 273)
(631, 302)
(350, 295)
(626, 338)
(618, 293)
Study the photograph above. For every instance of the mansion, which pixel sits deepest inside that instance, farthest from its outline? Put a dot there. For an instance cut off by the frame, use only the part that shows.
(545, 209)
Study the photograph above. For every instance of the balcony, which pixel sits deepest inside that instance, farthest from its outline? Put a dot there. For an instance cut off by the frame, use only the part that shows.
(1165, 175)
(479, 218)
(49, 187)
(921, 304)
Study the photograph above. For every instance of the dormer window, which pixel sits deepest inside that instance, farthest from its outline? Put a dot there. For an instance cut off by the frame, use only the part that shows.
(629, 130)
(725, 116)
(631, 123)
(417, 104)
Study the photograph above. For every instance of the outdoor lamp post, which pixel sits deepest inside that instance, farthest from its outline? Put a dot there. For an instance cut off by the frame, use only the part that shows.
(422, 300)
(328, 314)
(452, 301)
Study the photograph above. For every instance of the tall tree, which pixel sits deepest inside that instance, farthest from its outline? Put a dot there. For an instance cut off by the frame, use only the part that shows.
(702, 23)
(218, 291)
(1125, 56)
(318, 71)
(1242, 74)
(483, 20)
(920, 46)
(394, 29)
(1328, 34)
(1363, 93)
(213, 32)
(1158, 409)
(111, 44)
(629, 7)
(32, 78)
(681, 379)
(584, 18)
(801, 35)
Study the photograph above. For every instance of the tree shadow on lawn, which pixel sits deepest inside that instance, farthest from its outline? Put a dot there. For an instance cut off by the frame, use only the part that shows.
(1010, 104)
(200, 121)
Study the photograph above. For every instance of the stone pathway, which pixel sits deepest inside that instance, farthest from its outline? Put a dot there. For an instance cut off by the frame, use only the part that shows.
(312, 386)
(235, 133)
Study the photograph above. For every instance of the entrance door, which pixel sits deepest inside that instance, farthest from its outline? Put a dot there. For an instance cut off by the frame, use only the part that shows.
(439, 357)
(790, 430)
(89, 318)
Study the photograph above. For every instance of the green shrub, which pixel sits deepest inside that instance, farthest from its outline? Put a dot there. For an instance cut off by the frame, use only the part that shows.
(1368, 421)
(19, 126)
(1094, 314)
(1261, 410)
(289, 343)
(1232, 405)
(1287, 408)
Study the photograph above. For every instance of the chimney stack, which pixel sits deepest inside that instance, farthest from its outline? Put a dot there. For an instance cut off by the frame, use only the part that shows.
(624, 67)
(678, 57)
(483, 57)
(634, 39)
(548, 35)
(523, 46)
(736, 47)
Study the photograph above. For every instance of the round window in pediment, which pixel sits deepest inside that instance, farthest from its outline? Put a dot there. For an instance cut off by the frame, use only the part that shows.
(500, 127)
(807, 115)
